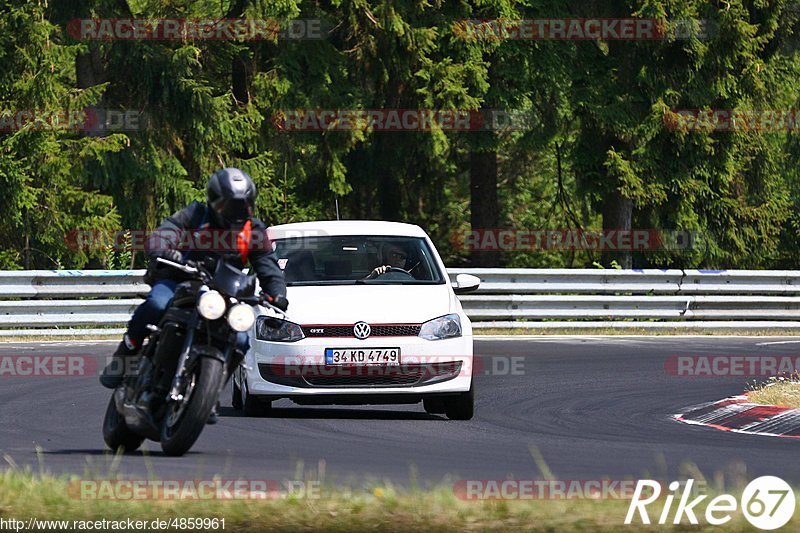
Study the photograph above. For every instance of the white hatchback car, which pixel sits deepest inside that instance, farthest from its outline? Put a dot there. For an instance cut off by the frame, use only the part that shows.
(373, 319)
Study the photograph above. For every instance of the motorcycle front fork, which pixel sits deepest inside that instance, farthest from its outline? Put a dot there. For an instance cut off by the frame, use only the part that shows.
(232, 355)
(180, 372)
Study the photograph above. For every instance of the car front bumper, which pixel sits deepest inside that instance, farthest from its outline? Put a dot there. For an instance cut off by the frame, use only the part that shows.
(297, 370)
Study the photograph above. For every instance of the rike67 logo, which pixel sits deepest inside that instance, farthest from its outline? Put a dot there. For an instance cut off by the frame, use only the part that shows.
(767, 503)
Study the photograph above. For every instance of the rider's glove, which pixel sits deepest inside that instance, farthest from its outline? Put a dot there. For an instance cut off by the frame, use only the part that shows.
(171, 255)
(278, 301)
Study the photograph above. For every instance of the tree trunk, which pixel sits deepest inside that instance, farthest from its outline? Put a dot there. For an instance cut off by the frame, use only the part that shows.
(89, 67)
(240, 79)
(88, 73)
(389, 194)
(241, 70)
(484, 206)
(26, 257)
(617, 214)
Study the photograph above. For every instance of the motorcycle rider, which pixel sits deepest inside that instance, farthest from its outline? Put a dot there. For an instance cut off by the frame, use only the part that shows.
(231, 196)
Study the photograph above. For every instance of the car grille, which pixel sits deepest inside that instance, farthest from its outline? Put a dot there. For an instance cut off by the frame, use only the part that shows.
(329, 376)
(377, 330)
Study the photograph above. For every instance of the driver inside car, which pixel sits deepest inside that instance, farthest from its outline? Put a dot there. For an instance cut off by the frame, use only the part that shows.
(392, 256)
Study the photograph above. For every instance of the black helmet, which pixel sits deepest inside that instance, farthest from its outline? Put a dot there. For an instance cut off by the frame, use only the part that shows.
(231, 197)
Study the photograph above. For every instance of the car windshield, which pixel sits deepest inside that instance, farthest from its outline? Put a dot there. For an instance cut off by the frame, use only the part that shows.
(357, 259)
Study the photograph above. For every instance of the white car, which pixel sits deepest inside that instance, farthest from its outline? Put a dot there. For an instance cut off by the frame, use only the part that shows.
(355, 334)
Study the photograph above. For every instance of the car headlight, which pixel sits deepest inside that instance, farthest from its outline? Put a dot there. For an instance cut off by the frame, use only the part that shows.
(241, 317)
(444, 327)
(211, 305)
(275, 329)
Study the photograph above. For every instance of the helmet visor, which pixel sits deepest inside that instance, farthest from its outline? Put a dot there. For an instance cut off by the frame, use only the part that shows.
(234, 212)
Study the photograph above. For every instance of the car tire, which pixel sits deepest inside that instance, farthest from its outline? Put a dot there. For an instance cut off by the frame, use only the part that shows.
(434, 406)
(236, 399)
(461, 407)
(253, 405)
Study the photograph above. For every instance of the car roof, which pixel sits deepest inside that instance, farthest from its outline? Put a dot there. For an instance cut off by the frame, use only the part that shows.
(345, 227)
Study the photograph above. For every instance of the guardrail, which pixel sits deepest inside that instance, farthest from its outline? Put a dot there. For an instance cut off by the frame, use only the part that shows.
(570, 298)
(58, 302)
(538, 281)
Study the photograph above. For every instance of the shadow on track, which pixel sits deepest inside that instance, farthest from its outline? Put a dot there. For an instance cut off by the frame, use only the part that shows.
(100, 452)
(327, 413)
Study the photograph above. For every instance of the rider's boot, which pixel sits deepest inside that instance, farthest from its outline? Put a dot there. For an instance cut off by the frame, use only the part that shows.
(114, 372)
(213, 418)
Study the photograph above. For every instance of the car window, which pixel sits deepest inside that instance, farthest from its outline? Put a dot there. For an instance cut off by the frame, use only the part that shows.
(334, 260)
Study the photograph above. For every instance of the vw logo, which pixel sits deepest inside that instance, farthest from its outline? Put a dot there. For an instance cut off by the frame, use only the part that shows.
(361, 330)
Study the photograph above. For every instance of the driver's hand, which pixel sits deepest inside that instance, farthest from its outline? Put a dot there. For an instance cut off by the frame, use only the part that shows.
(383, 269)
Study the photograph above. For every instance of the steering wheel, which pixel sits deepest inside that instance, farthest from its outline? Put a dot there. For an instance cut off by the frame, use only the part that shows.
(401, 270)
(392, 270)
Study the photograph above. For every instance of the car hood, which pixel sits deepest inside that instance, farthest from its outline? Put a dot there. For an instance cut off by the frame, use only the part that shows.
(374, 304)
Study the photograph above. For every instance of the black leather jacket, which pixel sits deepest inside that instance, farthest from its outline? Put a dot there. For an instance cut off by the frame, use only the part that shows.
(190, 231)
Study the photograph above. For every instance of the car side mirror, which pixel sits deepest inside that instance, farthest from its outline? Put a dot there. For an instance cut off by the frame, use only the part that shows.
(465, 283)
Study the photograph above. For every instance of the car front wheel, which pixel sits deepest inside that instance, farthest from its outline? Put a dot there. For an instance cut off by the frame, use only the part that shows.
(236, 400)
(461, 407)
(434, 406)
(253, 405)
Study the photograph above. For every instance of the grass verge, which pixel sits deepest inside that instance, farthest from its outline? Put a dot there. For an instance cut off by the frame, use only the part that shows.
(781, 391)
(24, 495)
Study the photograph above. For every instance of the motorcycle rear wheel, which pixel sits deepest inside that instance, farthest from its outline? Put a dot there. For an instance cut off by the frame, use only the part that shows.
(116, 433)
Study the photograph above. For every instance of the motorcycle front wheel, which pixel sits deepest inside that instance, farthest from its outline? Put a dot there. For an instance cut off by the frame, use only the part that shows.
(185, 420)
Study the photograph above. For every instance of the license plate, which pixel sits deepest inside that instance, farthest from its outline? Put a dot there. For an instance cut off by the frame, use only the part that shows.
(362, 356)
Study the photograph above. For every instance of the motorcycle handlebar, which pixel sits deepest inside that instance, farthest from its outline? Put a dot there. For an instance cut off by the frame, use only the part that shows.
(190, 268)
(185, 268)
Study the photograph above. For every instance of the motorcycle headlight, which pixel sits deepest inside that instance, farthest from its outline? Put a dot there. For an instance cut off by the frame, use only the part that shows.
(241, 317)
(444, 327)
(275, 329)
(211, 305)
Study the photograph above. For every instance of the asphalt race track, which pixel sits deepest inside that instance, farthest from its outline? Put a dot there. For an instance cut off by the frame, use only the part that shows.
(594, 407)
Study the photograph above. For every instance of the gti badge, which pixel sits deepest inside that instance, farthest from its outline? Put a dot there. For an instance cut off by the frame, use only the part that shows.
(361, 330)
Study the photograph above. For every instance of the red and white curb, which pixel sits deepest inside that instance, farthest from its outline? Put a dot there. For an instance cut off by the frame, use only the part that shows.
(738, 415)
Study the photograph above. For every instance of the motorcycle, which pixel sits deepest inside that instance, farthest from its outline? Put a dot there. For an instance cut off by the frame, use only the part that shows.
(186, 361)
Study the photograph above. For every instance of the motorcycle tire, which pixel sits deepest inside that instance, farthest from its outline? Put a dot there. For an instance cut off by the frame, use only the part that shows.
(116, 433)
(184, 422)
